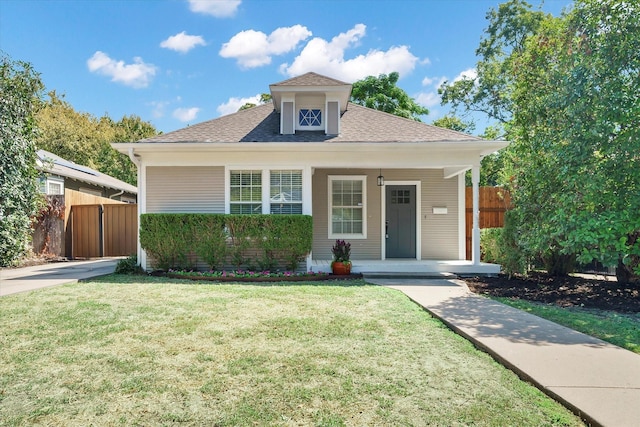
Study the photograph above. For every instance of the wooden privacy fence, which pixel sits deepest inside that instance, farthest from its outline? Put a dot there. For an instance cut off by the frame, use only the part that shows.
(493, 203)
(104, 230)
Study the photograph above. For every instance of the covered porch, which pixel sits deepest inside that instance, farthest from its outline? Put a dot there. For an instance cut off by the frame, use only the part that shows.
(413, 267)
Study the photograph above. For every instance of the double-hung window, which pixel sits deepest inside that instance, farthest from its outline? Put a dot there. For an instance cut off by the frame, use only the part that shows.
(347, 206)
(245, 192)
(285, 192)
(280, 192)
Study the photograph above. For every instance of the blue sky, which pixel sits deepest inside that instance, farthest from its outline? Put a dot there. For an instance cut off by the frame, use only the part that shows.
(180, 62)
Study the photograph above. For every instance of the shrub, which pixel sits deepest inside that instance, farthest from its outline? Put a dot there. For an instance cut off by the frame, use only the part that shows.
(500, 246)
(167, 238)
(217, 239)
(128, 265)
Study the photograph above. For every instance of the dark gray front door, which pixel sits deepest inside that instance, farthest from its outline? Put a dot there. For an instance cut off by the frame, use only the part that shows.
(401, 221)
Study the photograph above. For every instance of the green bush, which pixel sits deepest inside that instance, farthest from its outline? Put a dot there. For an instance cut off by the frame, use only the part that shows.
(167, 238)
(500, 246)
(249, 241)
(128, 265)
(490, 240)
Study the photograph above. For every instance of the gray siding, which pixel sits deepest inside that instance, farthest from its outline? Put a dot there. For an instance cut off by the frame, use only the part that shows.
(439, 232)
(172, 189)
(333, 118)
(368, 248)
(287, 118)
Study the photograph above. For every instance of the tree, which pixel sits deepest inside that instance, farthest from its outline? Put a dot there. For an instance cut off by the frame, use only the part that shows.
(576, 162)
(20, 91)
(567, 90)
(85, 139)
(129, 129)
(264, 98)
(490, 91)
(454, 123)
(381, 93)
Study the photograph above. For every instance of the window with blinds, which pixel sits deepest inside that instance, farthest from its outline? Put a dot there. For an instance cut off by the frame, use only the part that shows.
(285, 191)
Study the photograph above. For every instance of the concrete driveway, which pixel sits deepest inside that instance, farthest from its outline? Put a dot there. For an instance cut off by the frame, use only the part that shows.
(15, 280)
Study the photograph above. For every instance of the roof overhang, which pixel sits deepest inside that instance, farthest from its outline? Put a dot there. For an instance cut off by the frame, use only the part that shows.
(454, 157)
(341, 93)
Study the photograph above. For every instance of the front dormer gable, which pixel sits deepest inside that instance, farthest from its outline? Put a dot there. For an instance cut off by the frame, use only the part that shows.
(310, 102)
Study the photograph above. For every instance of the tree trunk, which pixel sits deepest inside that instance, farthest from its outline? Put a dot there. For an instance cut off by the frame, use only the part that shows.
(558, 264)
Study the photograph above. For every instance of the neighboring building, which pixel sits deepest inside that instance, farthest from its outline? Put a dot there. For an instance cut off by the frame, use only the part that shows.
(58, 174)
(393, 187)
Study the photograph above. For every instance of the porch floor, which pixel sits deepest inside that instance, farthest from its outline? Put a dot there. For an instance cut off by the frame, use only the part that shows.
(412, 267)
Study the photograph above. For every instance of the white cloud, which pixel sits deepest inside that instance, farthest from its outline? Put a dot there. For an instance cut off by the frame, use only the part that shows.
(158, 108)
(137, 75)
(182, 42)
(186, 114)
(234, 104)
(254, 48)
(428, 99)
(328, 58)
(469, 74)
(217, 8)
(435, 81)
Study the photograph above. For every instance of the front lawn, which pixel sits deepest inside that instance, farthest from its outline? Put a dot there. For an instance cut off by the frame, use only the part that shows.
(621, 329)
(134, 350)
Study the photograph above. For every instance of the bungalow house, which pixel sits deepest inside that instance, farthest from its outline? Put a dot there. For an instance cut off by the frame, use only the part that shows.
(392, 187)
(58, 174)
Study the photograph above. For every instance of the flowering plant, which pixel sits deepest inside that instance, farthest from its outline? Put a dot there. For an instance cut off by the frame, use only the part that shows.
(341, 251)
(244, 274)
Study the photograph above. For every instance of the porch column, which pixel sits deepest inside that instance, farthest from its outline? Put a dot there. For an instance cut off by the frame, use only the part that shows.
(475, 242)
(307, 205)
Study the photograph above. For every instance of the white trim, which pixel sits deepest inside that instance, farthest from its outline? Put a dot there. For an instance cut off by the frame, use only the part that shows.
(54, 180)
(321, 126)
(266, 184)
(330, 233)
(307, 190)
(142, 207)
(475, 246)
(462, 218)
(383, 216)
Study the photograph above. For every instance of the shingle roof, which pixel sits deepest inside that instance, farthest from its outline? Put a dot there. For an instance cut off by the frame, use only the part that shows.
(310, 79)
(51, 163)
(358, 124)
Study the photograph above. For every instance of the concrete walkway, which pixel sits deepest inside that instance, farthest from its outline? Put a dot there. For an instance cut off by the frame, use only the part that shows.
(15, 280)
(598, 381)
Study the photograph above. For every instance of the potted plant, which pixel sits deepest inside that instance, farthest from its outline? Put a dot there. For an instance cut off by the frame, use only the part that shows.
(341, 264)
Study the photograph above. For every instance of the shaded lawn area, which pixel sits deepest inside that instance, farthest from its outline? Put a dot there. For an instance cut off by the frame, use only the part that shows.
(621, 329)
(135, 350)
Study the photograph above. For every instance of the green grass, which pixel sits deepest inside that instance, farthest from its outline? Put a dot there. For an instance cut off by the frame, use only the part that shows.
(132, 351)
(620, 329)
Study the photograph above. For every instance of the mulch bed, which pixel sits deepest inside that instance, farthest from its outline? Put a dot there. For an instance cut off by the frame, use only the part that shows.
(562, 291)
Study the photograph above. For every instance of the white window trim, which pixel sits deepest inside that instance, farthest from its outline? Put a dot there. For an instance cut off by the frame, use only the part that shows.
(227, 185)
(299, 202)
(312, 107)
(266, 185)
(330, 232)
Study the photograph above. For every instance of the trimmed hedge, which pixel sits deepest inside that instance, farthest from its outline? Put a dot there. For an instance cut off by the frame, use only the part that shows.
(249, 241)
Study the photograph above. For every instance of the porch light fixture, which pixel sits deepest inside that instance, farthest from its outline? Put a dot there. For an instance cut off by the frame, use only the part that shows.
(380, 179)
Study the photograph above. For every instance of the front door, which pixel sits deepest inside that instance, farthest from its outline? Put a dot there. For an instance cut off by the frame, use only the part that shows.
(400, 221)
